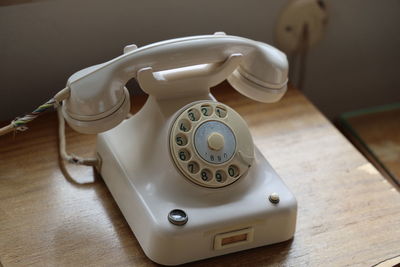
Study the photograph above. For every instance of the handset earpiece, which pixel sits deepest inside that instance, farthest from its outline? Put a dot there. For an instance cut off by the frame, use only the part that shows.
(99, 100)
(263, 75)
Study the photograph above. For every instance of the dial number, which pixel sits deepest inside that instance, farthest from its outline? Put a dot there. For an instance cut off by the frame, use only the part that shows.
(221, 112)
(184, 155)
(193, 114)
(181, 140)
(233, 171)
(205, 175)
(193, 167)
(220, 176)
(206, 110)
(184, 125)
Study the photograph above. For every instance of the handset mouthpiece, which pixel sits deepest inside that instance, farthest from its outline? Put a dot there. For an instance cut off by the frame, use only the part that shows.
(254, 89)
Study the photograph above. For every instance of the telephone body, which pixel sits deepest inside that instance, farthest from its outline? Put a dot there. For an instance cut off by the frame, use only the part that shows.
(184, 170)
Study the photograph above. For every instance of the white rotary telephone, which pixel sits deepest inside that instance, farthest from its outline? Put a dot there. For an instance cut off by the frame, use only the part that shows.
(184, 170)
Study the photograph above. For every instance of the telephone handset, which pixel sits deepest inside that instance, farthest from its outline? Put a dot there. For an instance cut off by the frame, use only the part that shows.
(98, 100)
(184, 170)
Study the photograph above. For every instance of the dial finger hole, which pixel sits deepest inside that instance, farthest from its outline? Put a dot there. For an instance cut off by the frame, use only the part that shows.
(233, 171)
(193, 114)
(206, 110)
(184, 155)
(193, 167)
(181, 140)
(184, 125)
(205, 175)
(220, 111)
(220, 176)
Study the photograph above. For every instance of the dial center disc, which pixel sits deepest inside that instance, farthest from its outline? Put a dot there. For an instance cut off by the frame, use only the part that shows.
(215, 142)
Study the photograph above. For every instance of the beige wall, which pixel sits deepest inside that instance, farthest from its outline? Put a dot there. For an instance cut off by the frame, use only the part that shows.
(357, 65)
(43, 43)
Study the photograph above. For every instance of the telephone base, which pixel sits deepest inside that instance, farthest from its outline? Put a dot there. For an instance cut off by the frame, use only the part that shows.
(139, 172)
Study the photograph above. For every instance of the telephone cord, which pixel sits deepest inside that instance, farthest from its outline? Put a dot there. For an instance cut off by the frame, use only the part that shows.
(19, 125)
(71, 158)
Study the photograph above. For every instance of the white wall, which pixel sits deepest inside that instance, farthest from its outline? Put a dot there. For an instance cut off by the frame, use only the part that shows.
(43, 43)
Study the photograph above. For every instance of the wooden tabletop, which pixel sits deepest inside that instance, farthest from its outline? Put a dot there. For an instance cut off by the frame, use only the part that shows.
(376, 133)
(348, 214)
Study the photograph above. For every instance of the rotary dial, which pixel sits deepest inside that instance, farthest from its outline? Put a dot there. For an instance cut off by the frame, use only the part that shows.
(211, 144)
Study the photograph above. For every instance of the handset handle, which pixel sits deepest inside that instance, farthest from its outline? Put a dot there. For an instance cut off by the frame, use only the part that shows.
(96, 91)
(193, 81)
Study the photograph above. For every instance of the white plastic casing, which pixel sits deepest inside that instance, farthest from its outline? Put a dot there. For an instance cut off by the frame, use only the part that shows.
(143, 179)
(137, 166)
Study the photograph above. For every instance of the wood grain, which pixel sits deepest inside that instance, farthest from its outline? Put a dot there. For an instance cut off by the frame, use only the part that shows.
(348, 214)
